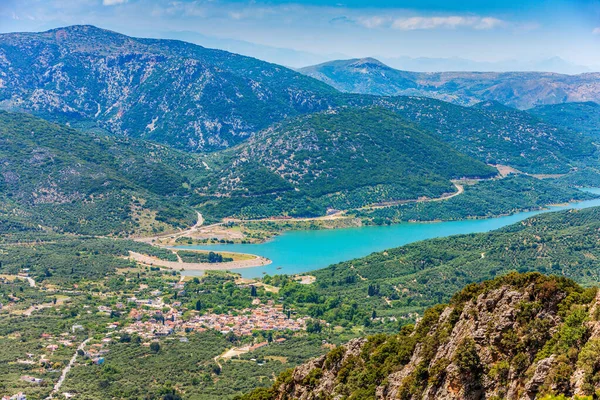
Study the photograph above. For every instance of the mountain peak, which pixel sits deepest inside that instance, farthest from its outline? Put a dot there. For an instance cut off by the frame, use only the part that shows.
(367, 62)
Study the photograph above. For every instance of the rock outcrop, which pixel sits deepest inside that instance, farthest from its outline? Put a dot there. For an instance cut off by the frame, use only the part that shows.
(517, 337)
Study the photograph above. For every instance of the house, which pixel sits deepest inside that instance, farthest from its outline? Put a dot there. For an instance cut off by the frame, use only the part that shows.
(18, 396)
(75, 328)
(98, 360)
(258, 346)
(31, 379)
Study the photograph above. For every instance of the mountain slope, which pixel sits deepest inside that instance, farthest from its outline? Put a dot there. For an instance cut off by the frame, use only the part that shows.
(343, 158)
(495, 134)
(169, 91)
(68, 181)
(516, 337)
(516, 89)
(577, 117)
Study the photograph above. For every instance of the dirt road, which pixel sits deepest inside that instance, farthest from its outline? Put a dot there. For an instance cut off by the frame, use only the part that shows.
(176, 265)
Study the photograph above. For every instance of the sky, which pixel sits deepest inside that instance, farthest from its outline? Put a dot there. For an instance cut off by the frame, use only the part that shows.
(303, 32)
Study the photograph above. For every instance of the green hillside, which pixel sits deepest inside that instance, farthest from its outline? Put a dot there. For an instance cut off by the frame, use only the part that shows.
(339, 159)
(496, 134)
(577, 117)
(64, 180)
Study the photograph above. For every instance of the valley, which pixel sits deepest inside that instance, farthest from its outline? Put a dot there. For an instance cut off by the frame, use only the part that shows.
(179, 222)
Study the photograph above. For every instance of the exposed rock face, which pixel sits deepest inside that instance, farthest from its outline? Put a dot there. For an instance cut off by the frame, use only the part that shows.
(169, 91)
(506, 343)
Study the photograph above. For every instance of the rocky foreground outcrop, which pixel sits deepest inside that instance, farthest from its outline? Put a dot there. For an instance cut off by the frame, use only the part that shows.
(517, 337)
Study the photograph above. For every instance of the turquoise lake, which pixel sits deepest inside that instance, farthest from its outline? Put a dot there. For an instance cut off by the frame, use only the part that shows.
(296, 252)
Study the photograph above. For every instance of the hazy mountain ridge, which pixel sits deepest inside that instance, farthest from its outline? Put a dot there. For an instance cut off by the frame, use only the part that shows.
(517, 89)
(170, 91)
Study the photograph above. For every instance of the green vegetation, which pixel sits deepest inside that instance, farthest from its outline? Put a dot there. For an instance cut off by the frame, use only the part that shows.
(61, 258)
(201, 257)
(341, 159)
(577, 117)
(68, 181)
(484, 199)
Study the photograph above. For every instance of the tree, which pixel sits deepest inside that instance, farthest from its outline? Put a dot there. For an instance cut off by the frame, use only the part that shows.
(155, 347)
(198, 305)
(314, 327)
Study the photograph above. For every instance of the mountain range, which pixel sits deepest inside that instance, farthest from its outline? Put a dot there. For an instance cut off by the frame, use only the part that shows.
(293, 145)
(200, 99)
(177, 93)
(516, 89)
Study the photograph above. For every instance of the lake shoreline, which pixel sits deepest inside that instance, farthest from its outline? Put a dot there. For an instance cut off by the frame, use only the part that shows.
(301, 251)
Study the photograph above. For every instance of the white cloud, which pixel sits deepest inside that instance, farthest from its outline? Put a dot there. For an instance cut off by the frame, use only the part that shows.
(596, 31)
(374, 22)
(449, 22)
(113, 2)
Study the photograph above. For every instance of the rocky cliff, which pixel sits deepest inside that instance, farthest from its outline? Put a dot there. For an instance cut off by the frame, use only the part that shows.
(516, 337)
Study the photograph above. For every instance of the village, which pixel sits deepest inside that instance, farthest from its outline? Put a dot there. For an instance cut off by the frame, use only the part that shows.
(265, 317)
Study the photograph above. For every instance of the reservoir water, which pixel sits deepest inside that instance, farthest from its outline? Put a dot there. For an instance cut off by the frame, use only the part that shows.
(296, 252)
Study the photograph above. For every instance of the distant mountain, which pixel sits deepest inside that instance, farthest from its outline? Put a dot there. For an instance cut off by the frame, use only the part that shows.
(278, 55)
(343, 158)
(64, 180)
(173, 92)
(577, 117)
(516, 89)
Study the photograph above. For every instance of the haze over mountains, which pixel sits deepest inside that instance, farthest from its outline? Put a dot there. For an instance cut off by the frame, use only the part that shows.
(197, 99)
(517, 89)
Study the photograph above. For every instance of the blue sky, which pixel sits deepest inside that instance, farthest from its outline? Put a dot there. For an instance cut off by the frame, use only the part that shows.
(480, 30)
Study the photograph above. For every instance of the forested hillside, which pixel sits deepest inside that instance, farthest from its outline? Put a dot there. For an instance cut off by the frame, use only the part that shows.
(578, 117)
(518, 336)
(340, 159)
(64, 180)
(496, 134)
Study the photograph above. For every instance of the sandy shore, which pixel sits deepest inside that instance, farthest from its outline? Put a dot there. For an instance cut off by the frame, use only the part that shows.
(148, 260)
